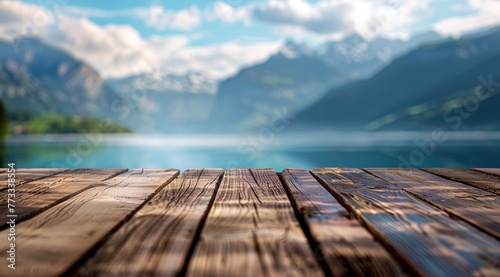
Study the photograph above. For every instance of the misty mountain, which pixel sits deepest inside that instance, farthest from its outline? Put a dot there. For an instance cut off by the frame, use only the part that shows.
(159, 81)
(293, 78)
(425, 87)
(169, 102)
(298, 75)
(38, 78)
(362, 58)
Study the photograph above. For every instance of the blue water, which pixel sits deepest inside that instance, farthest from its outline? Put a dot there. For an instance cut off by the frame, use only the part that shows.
(303, 150)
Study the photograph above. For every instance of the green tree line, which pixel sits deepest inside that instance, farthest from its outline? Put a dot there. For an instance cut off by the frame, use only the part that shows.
(4, 122)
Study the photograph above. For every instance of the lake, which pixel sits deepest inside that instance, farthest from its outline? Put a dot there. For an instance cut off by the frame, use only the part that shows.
(304, 150)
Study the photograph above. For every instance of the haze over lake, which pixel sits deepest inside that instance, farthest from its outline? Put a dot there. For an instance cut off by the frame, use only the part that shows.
(261, 83)
(305, 150)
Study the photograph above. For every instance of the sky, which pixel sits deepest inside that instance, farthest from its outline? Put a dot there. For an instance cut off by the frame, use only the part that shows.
(126, 37)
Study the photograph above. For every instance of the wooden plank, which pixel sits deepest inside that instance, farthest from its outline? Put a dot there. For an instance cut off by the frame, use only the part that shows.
(493, 171)
(347, 247)
(476, 206)
(52, 242)
(252, 231)
(480, 180)
(428, 241)
(24, 175)
(157, 240)
(36, 196)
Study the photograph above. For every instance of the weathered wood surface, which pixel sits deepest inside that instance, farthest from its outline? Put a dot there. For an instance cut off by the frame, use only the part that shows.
(157, 239)
(36, 196)
(476, 206)
(493, 171)
(347, 247)
(24, 175)
(51, 243)
(424, 237)
(252, 222)
(477, 179)
(252, 231)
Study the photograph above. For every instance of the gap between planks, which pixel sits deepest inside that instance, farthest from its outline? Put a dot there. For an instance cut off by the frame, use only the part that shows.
(159, 238)
(36, 196)
(424, 237)
(77, 225)
(473, 205)
(477, 179)
(345, 245)
(252, 230)
(25, 175)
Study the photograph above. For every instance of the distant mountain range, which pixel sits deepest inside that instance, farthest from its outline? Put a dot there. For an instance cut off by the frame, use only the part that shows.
(38, 78)
(292, 78)
(425, 87)
(361, 58)
(299, 75)
(169, 102)
(349, 84)
(192, 82)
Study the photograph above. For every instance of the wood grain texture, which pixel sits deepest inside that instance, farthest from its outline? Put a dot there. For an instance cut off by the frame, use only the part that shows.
(24, 175)
(492, 171)
(157, 239)
(52, 242)
(424, 237)
(477, 179)
(36, 196)
(252, 231)
(347, 247)
(476, 206)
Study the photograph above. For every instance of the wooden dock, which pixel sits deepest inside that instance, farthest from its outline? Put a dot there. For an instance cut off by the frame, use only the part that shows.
(252, 222)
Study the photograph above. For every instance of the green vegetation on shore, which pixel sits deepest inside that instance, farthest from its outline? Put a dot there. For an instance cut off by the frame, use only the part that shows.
(4, 124)
(26, 123)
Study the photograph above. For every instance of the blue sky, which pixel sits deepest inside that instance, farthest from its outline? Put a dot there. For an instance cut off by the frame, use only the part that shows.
(121, 38)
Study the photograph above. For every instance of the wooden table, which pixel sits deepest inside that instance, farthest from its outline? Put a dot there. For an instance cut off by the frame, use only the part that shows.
(252, 222)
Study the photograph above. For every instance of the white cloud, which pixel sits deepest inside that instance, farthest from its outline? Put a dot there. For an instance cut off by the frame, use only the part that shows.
(321, 18)
(487, 14)
(326, 19)
(224, 12)
(161, 19)
(114, 50)
(154, 16)
(120, 50)
(220, 60)
(18, 18)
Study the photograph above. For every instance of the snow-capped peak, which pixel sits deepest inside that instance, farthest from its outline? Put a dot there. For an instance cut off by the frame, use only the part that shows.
(191, 82)
(293, 50)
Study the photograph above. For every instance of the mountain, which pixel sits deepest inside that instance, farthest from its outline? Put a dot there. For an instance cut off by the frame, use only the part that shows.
(292, 78)
(423, 88)
(362, 58)
(38, 78)
(170, 102)
(192, 82)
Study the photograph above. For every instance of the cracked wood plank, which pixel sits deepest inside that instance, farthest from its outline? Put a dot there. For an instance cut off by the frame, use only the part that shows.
(157, 239)
(476, 206)
(252, 231)
(36, 196)
(347, 247)
(51, 243)
(426, 239)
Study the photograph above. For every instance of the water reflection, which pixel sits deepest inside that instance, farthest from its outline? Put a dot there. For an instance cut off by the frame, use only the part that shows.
(299, 150)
